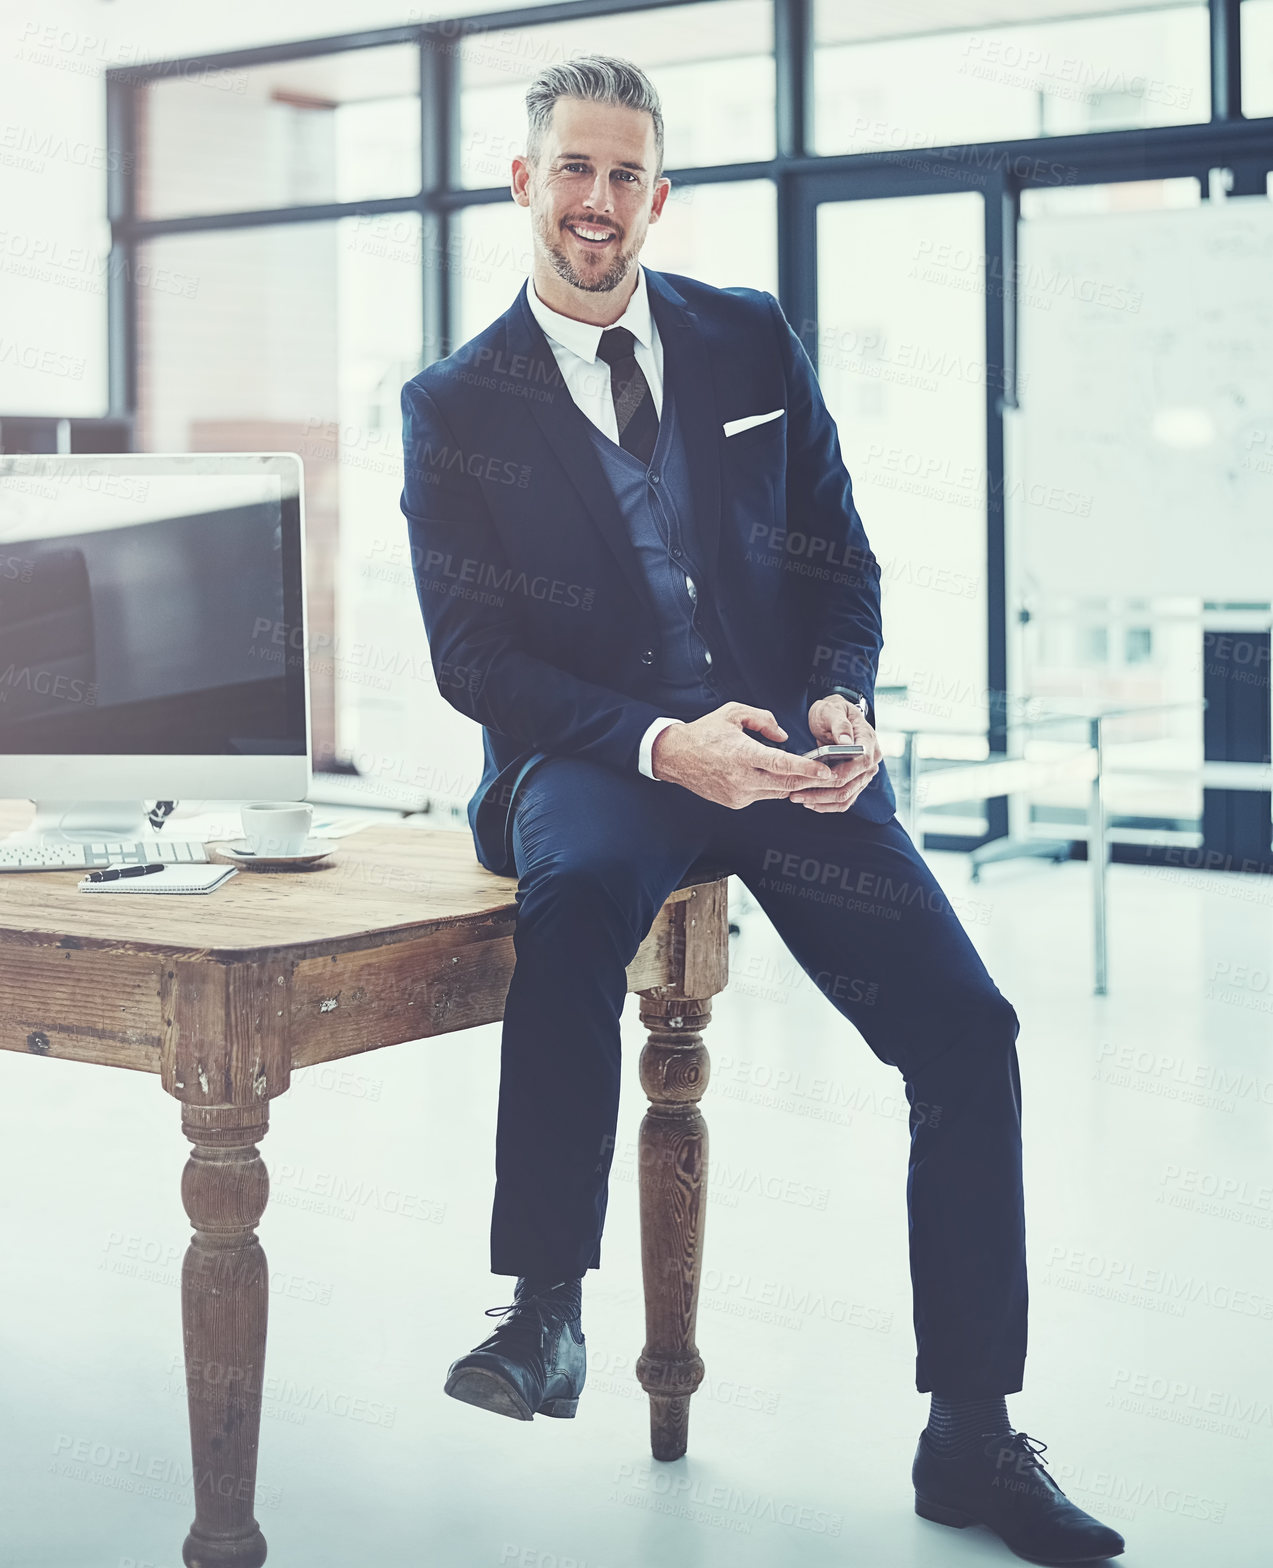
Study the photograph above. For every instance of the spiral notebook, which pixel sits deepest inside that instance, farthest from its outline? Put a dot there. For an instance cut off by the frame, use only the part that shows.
(172, 879)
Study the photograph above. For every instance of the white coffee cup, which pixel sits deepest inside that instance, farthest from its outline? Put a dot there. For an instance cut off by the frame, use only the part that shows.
(276, 829)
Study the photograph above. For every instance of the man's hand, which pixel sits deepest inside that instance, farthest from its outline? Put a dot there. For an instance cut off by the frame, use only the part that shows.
(715, 758)
(832, 720)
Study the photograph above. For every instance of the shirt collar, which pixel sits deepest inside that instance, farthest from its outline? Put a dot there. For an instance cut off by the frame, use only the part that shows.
(582, 337)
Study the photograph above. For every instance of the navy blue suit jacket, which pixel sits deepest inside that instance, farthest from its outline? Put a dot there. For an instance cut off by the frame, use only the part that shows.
(539, 621)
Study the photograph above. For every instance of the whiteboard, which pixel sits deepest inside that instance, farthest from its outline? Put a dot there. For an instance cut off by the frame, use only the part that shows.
(1142, 451)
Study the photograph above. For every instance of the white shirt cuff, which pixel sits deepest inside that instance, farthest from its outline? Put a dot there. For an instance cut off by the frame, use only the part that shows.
(645, 759)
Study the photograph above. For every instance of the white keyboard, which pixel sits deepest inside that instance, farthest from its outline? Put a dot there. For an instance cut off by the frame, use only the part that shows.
(35, 854)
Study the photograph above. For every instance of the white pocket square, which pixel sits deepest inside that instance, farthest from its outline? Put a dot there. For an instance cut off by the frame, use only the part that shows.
(731, 427)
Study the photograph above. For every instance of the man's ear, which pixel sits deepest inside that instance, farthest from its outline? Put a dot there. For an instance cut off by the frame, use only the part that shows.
(520, 180)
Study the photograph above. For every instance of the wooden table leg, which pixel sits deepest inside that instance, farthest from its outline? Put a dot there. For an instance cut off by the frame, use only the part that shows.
(673, 1176)
(224, 1302)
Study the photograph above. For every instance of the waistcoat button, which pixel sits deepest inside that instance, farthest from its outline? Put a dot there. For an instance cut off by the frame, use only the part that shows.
(648, 656)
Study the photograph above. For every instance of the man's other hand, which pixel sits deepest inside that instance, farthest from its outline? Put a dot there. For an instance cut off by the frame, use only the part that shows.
(833, 720)
(715, 757)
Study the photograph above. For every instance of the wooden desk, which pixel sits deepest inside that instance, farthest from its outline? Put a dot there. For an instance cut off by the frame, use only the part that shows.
(400, 936)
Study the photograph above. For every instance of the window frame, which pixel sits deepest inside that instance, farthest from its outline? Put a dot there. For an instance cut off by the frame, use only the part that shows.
(1000, 170)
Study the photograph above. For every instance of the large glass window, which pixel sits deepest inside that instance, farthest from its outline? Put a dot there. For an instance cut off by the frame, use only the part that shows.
(1115, 453)
(297, 338)
(901, 359)
(1074, 201)
(712, 64)
(1257, 58)
(933, 74)
(489, 260)
(339, 127)
(724, 234)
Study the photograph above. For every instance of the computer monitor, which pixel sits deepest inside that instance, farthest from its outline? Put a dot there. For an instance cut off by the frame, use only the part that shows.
(152, 636)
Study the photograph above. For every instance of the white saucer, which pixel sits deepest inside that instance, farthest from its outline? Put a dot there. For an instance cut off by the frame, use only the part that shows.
(313, 850)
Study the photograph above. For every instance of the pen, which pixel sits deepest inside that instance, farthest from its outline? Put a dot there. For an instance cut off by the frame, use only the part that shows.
(113, 873)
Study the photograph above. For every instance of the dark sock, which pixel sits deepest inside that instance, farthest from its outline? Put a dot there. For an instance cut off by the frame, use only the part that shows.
(567, 1291)
(957, 1423)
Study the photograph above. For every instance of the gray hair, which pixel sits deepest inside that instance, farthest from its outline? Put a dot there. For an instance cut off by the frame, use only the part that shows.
(596, 78)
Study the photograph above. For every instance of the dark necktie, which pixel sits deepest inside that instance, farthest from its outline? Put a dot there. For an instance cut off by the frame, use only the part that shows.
(633, 401)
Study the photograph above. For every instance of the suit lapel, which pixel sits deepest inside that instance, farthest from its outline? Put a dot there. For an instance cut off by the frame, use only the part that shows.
(688, 374)
(565, 426)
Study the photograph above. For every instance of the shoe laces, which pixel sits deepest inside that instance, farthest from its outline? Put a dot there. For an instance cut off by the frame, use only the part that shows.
(525, 1318)
(1029, 1447)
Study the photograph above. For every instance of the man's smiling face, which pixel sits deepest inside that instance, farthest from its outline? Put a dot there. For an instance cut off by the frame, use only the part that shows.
(592, 192)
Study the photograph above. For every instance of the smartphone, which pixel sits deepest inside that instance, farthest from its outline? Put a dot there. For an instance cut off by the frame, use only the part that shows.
(831, 753)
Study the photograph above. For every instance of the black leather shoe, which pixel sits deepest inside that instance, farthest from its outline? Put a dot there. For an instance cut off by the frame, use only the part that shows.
(1003, 1485)
(535, 1361)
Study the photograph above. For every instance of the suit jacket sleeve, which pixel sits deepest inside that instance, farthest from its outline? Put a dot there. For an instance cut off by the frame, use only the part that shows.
(820, 506)
(477, 650)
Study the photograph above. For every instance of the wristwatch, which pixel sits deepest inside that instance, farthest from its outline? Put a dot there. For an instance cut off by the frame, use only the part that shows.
(855, 697)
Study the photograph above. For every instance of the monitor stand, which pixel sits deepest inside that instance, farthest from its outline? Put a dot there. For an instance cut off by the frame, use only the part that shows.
(88, 821)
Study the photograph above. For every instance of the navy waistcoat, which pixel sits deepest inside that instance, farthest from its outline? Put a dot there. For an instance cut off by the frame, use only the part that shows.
(655, 502)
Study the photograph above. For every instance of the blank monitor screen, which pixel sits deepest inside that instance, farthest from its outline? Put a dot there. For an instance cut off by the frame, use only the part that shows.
(151, 606)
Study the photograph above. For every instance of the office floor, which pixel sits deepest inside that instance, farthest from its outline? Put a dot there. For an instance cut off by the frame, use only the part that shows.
(1147, 1118)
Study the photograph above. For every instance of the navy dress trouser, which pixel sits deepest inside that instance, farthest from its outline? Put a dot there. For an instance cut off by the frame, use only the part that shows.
(597, 853)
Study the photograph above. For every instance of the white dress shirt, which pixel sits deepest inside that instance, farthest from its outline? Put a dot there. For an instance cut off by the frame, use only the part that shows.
(574, 345)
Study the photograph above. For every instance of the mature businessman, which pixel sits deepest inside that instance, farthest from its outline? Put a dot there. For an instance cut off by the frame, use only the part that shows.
(641, 569)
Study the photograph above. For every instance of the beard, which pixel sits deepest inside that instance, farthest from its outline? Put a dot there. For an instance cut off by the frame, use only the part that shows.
(592, 282)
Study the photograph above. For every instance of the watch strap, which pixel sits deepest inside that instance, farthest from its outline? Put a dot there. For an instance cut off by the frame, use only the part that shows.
(855, 697)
